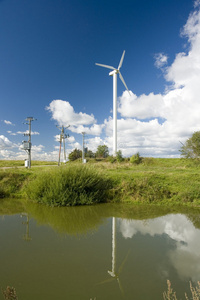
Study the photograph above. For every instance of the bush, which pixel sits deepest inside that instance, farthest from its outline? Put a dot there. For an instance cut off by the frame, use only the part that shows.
(136, 159)
(69, 186)
(112, 159)
(119, 156)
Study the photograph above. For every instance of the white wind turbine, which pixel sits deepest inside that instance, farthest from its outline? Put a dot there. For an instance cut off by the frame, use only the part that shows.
(114, 74)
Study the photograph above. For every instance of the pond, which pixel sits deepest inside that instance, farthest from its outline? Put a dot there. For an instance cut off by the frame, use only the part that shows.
(101, 252)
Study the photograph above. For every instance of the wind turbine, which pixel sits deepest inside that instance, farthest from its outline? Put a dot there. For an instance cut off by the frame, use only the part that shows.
(114, 273)
(114, 74)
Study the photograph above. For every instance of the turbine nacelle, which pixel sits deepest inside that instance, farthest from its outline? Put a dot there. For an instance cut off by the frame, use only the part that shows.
(113, 72)
(116, 70)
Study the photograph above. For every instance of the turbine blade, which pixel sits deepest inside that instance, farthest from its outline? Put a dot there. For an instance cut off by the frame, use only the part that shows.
(105, 281)
(105, 66)
(120, 286)
(122, 79)
(123, 262)
(121, 60)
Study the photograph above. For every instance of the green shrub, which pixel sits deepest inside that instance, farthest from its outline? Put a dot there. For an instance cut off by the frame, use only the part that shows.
(119, 156)
(69, 186)
(112, 159)
(136, 159)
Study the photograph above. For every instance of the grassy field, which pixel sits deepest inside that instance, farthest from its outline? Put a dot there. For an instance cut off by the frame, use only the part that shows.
(154, 181)
(20, 163)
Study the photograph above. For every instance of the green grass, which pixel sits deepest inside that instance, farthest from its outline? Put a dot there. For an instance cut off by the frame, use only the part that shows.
(20, 163)
(154, 181)
(11, 182)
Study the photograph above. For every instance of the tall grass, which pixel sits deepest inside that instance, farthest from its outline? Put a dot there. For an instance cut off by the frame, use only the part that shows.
(171, 295)
(11, 182)
(69, 186)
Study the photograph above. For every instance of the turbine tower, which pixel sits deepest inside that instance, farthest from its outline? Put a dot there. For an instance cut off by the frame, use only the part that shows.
(114, 74)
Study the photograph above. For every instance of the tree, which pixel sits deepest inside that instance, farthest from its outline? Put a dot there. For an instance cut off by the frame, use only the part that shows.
(89, 154)
(102, 151)
(75, 154)
(119, 156)
(191, 148)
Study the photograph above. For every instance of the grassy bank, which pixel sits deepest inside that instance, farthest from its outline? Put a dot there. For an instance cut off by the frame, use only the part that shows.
(156, 181)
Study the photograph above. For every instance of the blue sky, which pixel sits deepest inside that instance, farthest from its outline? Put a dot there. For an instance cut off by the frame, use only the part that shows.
(48, 51)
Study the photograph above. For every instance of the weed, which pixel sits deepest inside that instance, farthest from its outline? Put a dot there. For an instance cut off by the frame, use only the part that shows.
(170, 295)
(9, 293)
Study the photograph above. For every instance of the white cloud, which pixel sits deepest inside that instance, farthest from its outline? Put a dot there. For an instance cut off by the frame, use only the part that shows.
(196, 3)
(160, 60)
(70, 139)
(27, 132)
(154, 124)
(145, 106)
(5, 143)
(185, 256)
(95, 129)
(8, 122)
(11, 133)
(93, 143)
(64, 114)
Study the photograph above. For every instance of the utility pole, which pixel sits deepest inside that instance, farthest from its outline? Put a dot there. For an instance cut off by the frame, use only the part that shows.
(63, 136)
(27, 144)
(83, 148)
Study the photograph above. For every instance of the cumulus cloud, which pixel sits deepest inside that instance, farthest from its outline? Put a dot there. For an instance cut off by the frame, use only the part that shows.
(95, 129)
(5, 143)
(155, 123)
(64, 114)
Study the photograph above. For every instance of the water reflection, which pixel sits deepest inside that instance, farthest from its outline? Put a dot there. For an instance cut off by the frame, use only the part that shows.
(103, 252)
(26, 236)
(185, 256)
(114, 273)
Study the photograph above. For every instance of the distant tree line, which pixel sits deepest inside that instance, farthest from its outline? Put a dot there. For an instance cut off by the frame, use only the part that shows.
(102, 152)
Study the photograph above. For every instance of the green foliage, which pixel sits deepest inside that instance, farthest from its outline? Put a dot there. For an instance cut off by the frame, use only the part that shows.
(102, 151)
(75, 154)
(69, 186)
(191, 148)
(112, 159)
(89, 154)
(119, 156)
(136, 159)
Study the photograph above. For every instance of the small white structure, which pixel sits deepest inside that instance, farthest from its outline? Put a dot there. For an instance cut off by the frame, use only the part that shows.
(26, 163)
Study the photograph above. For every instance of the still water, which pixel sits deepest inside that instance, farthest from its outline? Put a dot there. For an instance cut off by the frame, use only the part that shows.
(101, 252)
